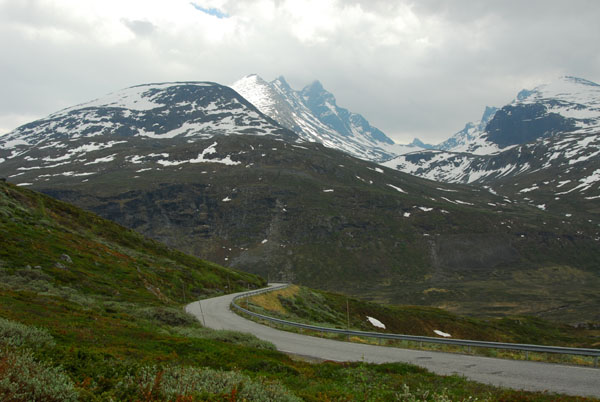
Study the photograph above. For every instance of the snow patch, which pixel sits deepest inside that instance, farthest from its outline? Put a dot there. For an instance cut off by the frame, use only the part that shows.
(13, 143)
(212, 150)
(463, 202)
(378, 170)
(375, 322)
(397, 188)
(527, 190)
(108, 158)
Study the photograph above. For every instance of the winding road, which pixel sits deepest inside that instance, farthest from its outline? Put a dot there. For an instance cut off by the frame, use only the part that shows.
(533, 376)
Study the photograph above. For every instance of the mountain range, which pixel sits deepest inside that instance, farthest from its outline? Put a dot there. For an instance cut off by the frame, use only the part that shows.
(200, 168)
(542, 148)
(313, 113)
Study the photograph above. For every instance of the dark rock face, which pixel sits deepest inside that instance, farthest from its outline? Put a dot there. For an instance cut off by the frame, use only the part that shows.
(474, 252)
(524, 123)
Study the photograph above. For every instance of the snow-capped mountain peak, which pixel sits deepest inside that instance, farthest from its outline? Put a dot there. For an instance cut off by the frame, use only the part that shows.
(194, 110)
(547, 137)
(567, 104)
(470, 138)
(313, 113)
(573, 98)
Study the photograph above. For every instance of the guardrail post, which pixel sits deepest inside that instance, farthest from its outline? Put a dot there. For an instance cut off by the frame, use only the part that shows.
(596, 361)
(348, 318)
(526, 355)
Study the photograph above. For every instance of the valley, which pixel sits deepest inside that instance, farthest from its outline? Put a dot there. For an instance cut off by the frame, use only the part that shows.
(264, 200)
(92, 311)
(419, 179)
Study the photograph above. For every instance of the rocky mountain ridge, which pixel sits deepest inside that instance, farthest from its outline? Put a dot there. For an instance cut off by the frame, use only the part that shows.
(313, 113)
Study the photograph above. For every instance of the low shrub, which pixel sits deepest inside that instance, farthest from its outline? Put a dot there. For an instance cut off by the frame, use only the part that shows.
(189, 383)
(234, 337)
(22, 378)
(15, 334)
(167, 315)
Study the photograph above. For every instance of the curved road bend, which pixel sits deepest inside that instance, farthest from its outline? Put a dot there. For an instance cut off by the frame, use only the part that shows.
(532, 376)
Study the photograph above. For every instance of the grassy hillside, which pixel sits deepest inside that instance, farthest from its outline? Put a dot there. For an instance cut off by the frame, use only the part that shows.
(91, 311)
(301, 304)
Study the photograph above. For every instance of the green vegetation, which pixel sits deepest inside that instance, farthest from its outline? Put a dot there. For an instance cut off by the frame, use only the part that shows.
(485, 254)
(309, 306)
(91, 311)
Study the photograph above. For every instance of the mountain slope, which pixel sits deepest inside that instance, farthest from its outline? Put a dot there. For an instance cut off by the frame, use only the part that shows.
(469, 138)
(107, 323)
(45, 238)
(568, 104)
(314, 114)
(301, 211)
(543, 148)
(159, 111)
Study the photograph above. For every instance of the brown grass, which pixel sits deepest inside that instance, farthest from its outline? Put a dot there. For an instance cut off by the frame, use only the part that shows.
(270, 300)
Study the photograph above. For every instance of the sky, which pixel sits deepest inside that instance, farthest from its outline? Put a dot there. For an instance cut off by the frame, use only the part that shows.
(412, 68)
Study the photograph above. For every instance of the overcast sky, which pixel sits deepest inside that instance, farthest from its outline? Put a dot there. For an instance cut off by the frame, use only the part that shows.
(413, 69)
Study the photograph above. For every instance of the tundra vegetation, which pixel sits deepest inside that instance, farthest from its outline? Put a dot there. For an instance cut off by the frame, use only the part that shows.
(92, 311)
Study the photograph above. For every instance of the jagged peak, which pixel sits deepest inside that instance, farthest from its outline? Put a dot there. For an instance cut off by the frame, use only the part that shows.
(489, 112)
(281, 79)
(250, 79)
(314, 86)
(281, 83)
(418, 143)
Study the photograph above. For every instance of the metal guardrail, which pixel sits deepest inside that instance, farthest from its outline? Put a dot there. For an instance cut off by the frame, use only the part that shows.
(458, 342)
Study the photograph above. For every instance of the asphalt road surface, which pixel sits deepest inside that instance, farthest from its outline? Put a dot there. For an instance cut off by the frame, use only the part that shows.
(531, 376)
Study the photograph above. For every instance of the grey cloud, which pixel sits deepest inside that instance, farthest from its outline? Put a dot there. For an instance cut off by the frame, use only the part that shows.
(138, 27)
(481, 54)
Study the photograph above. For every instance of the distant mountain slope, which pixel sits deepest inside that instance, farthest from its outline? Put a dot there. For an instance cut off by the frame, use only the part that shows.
(554, 126)
(182, 109)
(294, 210)
(46, 239)
(568, 104)
(469, 138)
(313, 113)
(542, 149)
